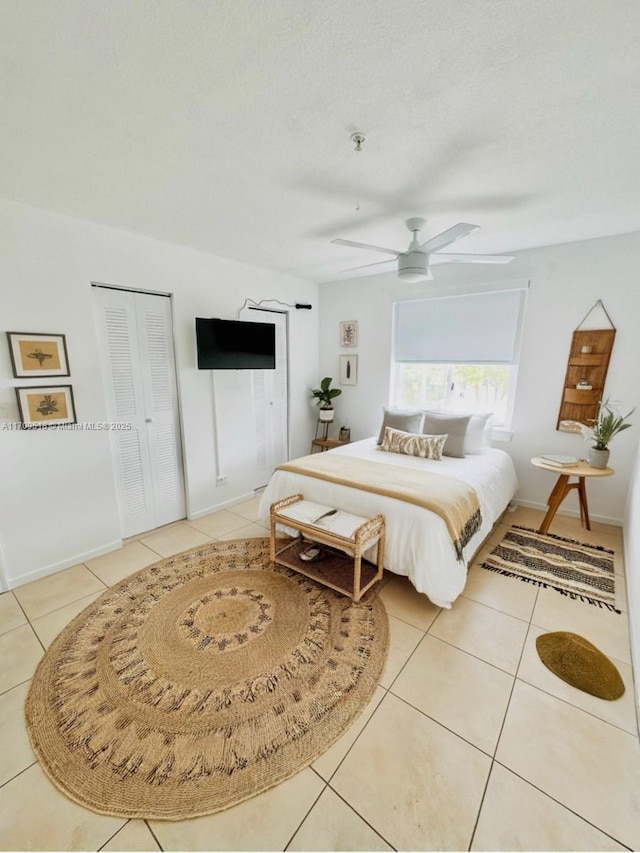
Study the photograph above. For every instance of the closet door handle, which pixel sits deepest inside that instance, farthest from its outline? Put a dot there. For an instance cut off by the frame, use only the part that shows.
(148, 420)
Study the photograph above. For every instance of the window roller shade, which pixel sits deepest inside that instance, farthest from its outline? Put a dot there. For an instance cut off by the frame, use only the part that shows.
(474, 328)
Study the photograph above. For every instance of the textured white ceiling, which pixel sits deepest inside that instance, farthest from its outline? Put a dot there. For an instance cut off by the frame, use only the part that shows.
(224, 124)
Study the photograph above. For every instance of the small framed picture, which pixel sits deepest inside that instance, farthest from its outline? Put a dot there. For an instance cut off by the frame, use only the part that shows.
(49, 405)
(349, 333)
(348, 369)
(35, 354)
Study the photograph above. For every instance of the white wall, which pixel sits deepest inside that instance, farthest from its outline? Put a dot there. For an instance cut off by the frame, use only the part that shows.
(631, 540)
(565, 281)
(57, 498)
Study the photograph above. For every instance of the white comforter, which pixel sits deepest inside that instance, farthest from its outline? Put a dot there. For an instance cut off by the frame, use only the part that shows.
(418, 544)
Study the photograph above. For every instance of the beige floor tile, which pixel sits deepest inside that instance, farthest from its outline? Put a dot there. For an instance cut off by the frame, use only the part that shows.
(403, 601)
(403, 639)
(333, 825)
(218, 523)
(446, 683)
(135, 835)
(247, 509)
(509, 595)
(117, 565)
(249, 531)
(607, 630)
(589, 766)
(488, 634)
(621, 712)
(535, 821)
(15, 748)
(525, 516)
(621, 593)
(265, 822)
(54, 591)
(20, 652)
(328, 762)
(497, 534)
(35, 815)
(174, 539)
(49, 626)
(416, 784)
(570, 528)
(11, 614)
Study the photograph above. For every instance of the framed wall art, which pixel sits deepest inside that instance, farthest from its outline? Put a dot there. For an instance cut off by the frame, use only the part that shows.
(349, 333)
(48, 405)
(348, 369)
(35, 354)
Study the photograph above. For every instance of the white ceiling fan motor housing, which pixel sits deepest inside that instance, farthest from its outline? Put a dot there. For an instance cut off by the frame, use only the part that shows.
(413, 266)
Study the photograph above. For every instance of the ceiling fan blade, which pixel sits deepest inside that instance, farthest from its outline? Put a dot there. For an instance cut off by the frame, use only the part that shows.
(355, 245)
(444, 258)
(369, 269)
(448, 236)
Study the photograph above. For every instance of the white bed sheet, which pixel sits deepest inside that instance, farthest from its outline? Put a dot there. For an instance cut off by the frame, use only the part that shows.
(418, 544)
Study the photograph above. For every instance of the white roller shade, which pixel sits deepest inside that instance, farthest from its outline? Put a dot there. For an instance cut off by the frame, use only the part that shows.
(473, 328)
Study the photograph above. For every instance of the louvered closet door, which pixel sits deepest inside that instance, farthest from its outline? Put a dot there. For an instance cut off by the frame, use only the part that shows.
(137, 346)
(271, 404)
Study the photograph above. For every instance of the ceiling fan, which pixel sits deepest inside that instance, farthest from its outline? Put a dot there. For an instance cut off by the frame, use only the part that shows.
(413, 263)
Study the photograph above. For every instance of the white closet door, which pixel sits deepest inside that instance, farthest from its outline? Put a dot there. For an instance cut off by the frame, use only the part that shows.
(137, 346)
(270, 390)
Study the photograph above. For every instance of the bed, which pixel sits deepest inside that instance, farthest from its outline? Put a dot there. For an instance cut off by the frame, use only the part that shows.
(418, 543)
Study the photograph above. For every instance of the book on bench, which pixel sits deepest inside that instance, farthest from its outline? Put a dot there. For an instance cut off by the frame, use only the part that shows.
(559, 461)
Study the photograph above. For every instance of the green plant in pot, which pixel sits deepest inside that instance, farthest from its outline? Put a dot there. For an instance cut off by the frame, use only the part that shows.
(608, 424)
(324, 396)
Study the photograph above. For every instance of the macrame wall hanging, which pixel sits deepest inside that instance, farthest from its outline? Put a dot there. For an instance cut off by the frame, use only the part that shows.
(586, 374)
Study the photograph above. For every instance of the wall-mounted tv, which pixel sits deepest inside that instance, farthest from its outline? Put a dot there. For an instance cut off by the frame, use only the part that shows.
(235, 345)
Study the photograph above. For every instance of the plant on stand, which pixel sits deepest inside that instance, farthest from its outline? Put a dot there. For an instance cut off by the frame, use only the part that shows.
(608, 424)
(324, 396)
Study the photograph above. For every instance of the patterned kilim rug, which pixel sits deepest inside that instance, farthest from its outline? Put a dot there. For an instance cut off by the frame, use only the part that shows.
(201, 681)
(572, 568)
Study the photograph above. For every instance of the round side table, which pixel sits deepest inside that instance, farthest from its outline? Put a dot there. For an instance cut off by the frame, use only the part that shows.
(581, 470)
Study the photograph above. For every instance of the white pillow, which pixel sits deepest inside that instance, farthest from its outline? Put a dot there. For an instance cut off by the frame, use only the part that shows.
(478, 436)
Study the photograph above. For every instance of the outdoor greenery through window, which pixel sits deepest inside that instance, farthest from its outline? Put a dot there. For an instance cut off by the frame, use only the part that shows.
(455, 387)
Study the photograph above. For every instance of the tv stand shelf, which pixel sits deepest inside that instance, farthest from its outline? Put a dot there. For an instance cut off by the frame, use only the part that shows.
(342, 566)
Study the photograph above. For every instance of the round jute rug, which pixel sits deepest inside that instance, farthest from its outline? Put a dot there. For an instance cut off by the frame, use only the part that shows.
(201, 681)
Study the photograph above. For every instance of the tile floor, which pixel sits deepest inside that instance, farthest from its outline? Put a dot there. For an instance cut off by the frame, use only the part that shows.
(469, 743)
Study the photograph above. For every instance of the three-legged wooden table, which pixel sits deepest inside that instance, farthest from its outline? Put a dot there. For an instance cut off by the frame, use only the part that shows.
(581, 470)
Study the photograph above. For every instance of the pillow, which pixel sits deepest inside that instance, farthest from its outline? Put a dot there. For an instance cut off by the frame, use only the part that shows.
(454, 426)
(424, 446)
(403, 419)
(478, 436)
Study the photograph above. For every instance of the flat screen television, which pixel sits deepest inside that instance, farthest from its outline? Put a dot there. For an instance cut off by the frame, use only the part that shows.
(235, 344)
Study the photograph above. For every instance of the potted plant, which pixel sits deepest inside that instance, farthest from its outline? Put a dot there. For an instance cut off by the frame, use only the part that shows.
(605, 426)
(324, 396)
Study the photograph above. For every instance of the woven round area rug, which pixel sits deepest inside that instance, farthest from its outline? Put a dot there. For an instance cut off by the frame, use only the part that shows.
(200, 681)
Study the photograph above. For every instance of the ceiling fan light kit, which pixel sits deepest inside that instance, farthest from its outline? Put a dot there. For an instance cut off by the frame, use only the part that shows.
(413, 264)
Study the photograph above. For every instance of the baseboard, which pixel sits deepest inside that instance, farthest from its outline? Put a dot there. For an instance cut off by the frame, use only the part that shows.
(602, 519)
(51, 569)
(201, 512)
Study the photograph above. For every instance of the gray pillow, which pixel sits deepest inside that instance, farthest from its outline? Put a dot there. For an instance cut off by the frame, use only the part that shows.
(454, 425)
(407, 421)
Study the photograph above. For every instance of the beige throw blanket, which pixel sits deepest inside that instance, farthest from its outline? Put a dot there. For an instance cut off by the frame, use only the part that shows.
(453, 500)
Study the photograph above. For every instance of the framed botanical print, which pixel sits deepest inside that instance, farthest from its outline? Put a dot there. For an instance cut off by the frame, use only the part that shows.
(47, 405)
(349, 333)
(38, 355)
(348, 369)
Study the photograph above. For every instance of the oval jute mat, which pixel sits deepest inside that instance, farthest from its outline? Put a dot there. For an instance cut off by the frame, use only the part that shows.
(201, 681)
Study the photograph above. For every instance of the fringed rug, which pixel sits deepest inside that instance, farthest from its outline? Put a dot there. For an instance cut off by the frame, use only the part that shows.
(201, 681)
(581, 571)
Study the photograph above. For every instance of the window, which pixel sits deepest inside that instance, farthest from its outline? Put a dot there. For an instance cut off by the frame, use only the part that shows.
(458, 353)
